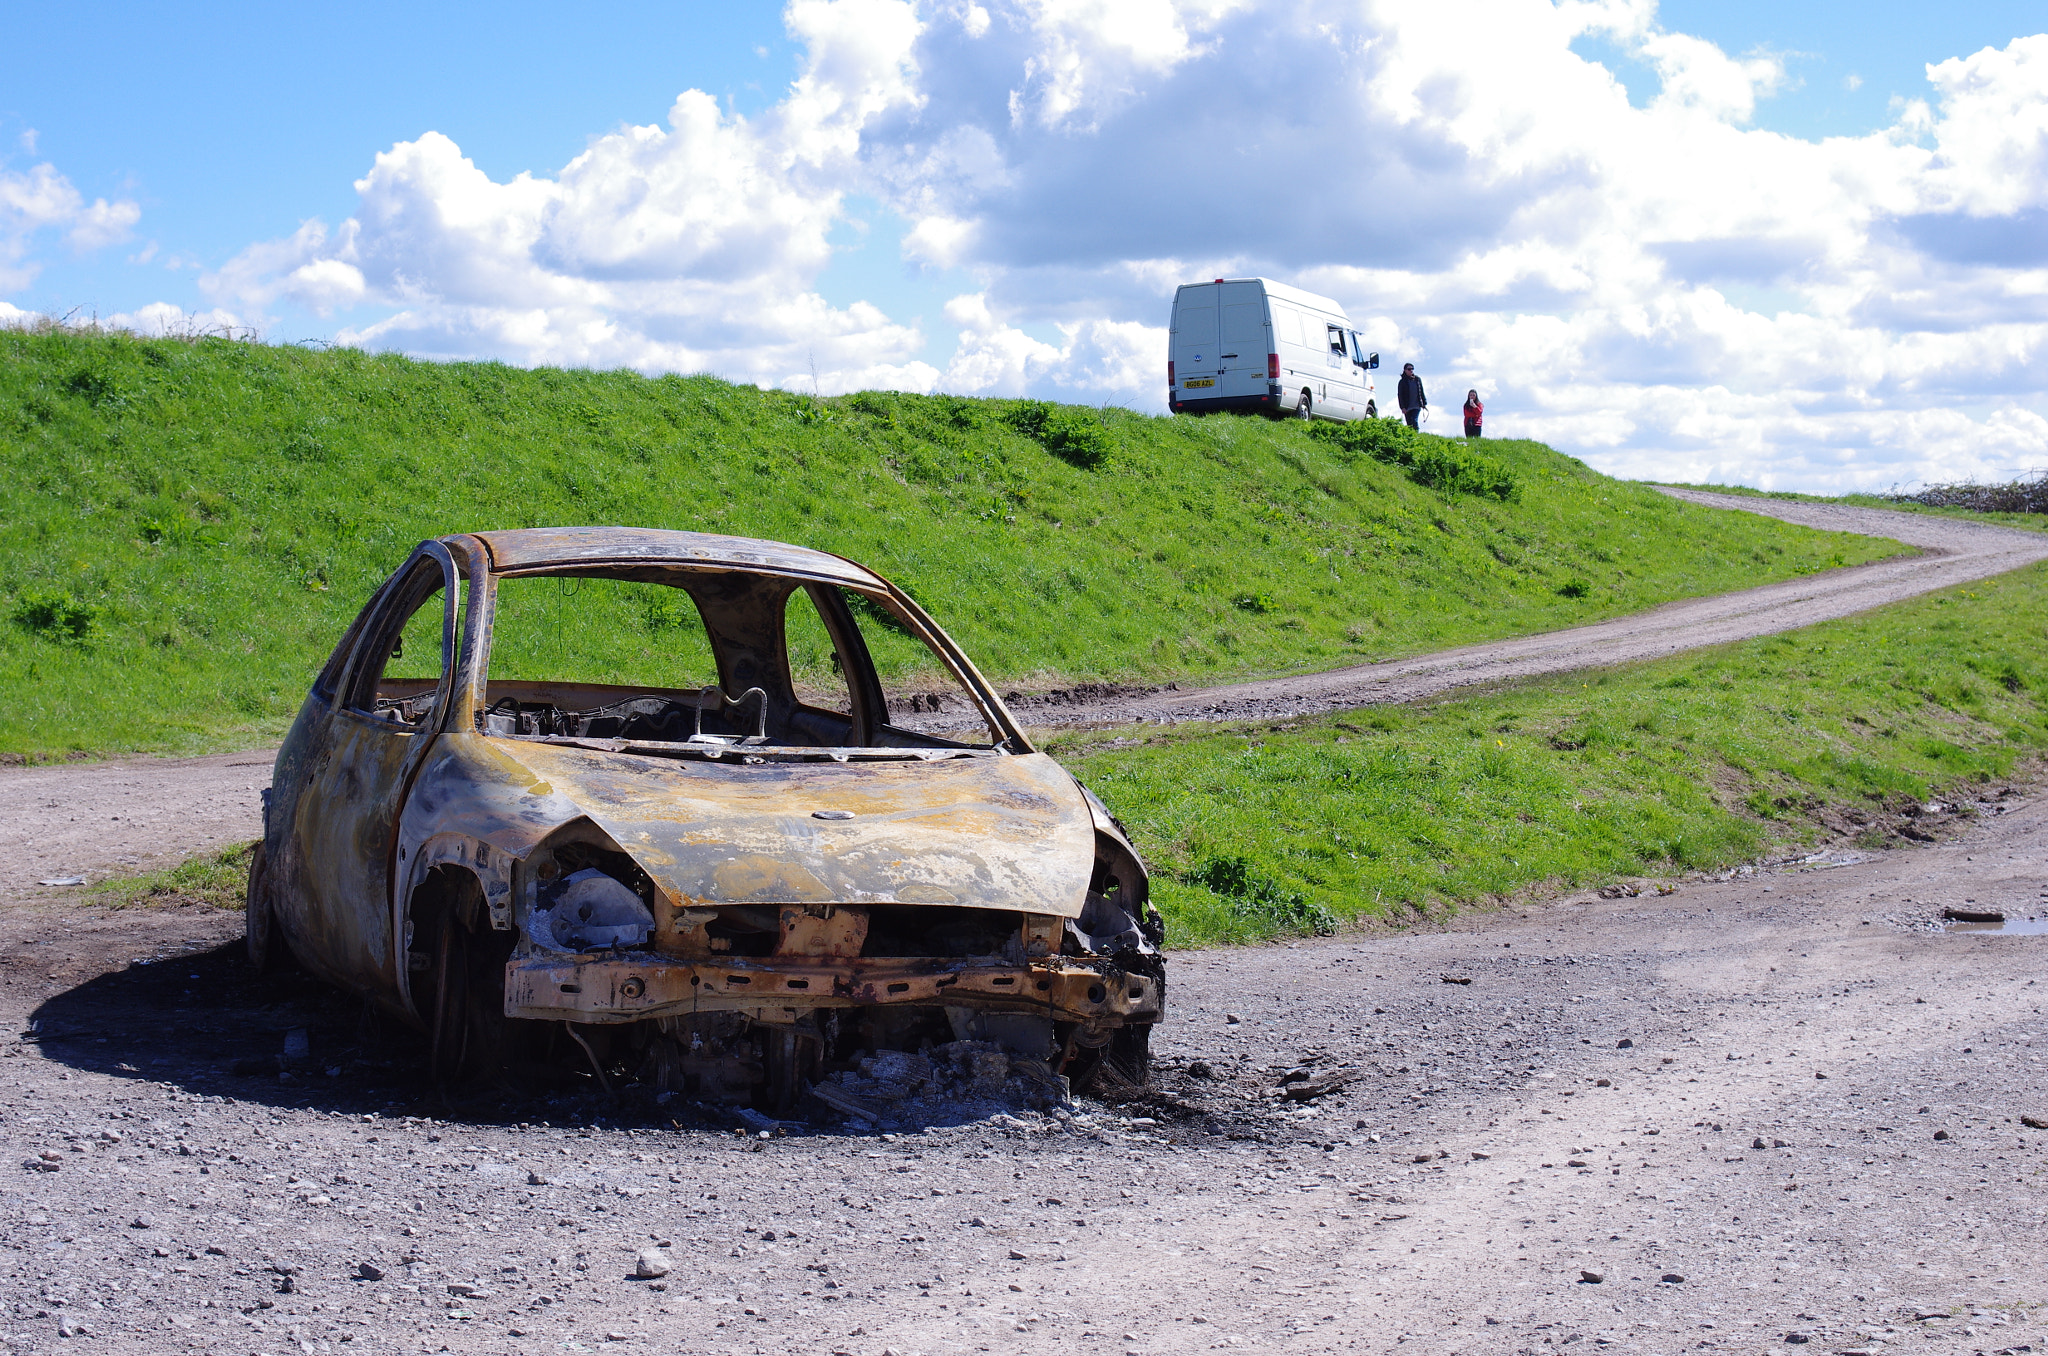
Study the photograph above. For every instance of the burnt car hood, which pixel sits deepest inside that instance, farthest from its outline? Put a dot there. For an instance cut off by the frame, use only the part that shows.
(1000, 832)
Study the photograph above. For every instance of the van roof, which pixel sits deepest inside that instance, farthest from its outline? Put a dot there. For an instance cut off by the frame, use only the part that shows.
(1284, 292)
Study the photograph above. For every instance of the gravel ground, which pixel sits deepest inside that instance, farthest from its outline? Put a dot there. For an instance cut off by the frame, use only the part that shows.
(1790, 1088)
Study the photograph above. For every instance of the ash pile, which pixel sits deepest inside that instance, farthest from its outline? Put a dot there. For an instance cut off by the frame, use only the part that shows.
(960, 1079)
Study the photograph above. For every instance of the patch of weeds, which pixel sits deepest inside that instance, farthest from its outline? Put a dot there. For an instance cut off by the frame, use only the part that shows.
(661, 610)
(1029, 417)
(1074, 435)
(1258, 899)
(94, 387)
(36, 409)
(873, 611)
(57, 616)
(1574, 588)
(303, 447)
(876, 405)
(1439, 463)
(960, 412)
(807, 411)
(218, 880)
(1079, 439)
(1256, 603)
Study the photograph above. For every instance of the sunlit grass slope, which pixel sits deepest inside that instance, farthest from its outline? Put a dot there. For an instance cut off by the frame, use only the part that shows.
(190, 525)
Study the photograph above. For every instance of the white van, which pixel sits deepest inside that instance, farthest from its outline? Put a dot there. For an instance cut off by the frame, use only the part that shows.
(1256, 344)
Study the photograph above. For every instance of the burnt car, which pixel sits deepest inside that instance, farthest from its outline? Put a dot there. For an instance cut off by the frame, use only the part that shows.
(638, 799)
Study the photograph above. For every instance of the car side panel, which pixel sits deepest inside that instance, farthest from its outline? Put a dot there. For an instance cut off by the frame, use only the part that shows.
(341, 824)
(304, 745)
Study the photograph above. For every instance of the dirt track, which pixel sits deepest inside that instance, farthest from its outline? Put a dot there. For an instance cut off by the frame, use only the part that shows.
(1953, 551)
(1786, 1089)
(109, 818)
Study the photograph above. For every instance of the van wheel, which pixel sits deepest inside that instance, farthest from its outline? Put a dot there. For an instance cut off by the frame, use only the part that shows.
(1372, 409)
(1307, 408)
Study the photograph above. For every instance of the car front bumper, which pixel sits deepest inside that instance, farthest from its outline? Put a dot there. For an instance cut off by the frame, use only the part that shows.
(609, 989)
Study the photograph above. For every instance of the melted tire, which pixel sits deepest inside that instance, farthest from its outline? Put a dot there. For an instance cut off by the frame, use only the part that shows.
(1118, 1069)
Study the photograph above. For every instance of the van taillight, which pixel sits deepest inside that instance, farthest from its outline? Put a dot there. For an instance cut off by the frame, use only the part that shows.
(1169, 371)
(1272, 367)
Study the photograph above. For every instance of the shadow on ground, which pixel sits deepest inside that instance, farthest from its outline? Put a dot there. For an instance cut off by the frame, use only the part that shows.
(204, 1022)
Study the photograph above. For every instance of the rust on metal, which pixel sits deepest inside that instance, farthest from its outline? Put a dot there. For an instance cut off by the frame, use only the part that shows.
(723, 888)
(603, 989)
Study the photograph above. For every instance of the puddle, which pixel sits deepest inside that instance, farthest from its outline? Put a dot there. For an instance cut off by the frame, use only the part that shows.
(2014, 925)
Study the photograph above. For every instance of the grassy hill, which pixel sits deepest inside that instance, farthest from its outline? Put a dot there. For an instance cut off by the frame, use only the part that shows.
(190, 524)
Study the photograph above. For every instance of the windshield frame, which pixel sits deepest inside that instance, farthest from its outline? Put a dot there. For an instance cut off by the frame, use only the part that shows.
(1005, 735)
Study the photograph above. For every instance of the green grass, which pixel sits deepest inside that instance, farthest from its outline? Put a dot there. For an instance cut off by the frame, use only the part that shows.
(1691, 763)
(217, 879)
(191, 524)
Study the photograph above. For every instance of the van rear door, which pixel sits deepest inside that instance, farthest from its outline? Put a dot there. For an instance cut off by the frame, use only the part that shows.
(1243, 339)
(1194, 341)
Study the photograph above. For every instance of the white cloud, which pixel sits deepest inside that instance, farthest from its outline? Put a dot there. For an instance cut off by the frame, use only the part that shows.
(1088, 58)
(41, 200)
(1696, 74)
(1096, 360)
(1991, 151)
(687, 247)
(1662, 286)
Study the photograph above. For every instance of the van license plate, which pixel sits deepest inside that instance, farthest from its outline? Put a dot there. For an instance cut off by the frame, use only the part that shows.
(1193, 382)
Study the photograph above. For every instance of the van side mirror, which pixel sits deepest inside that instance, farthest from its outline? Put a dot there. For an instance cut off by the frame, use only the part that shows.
(1372, 360)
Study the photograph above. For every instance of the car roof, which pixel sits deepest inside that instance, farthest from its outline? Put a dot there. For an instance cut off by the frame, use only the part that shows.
(539, 547)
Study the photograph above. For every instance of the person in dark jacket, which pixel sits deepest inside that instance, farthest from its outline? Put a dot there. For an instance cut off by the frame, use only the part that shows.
(1474, 413)
(1409, 393)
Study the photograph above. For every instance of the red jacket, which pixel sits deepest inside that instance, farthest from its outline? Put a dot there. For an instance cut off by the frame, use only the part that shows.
(1474, 411)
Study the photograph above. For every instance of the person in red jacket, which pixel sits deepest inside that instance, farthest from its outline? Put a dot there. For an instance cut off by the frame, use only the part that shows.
(1474, 412)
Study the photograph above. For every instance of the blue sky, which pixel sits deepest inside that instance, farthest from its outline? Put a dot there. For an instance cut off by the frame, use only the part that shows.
(1849, 60)
(999, 197)
(235, 122)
